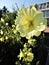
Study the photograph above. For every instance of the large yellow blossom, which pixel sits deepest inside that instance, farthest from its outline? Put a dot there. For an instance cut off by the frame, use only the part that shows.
(30, 22)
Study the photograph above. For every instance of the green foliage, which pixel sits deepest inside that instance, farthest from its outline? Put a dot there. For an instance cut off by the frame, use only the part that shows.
(7, 32)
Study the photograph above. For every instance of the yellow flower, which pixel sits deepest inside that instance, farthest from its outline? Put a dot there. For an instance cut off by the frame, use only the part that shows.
(31, 41)
(21, 54)
(13, 26)
(6, 37)
(28, 22)
(30, 57)
(25, 45)
(2, 39)
(14, 31)
(6, 23)
(2, 19)
(1, 32)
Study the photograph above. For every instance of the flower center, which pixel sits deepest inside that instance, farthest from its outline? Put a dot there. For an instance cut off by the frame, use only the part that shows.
(30, 24)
